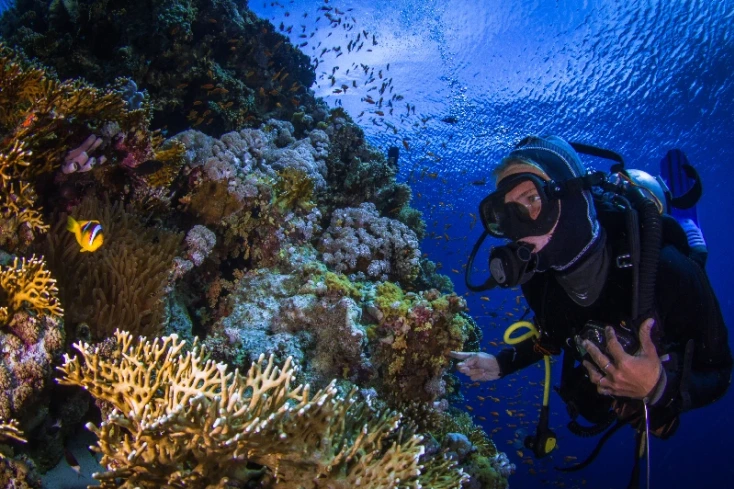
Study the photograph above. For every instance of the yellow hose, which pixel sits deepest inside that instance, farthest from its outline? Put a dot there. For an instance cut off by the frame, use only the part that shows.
(530, 334)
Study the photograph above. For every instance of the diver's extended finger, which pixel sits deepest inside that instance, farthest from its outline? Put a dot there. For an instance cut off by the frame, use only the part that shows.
(594, 374)
(614, 347)
(461, 355)
(596, 354)
(648, 347)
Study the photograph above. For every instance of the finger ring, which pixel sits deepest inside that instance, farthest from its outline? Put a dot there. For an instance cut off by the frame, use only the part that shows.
(607, 365)
(599, 383)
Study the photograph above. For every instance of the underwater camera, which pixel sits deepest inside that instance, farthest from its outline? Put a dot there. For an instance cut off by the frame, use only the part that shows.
(594, 332)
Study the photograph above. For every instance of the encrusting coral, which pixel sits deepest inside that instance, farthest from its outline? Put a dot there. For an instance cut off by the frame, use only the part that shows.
(180, 420)
(414, 334)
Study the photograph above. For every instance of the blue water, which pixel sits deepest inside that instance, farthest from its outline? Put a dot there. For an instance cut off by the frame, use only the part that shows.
(637, 77)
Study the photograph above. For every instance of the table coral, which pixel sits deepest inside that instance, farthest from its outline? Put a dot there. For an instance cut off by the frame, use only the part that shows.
(180, 420)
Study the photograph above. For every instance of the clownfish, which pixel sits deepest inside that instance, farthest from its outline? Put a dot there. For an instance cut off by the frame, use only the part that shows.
(88, 233)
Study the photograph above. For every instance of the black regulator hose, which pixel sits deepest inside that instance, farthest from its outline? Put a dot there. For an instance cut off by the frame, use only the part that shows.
(588, 431)
(651, 238)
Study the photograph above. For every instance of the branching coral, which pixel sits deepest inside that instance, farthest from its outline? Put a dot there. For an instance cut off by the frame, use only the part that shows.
(17, 198)
(123, 281)
(27, 283)
(180, 420)
(10, 430)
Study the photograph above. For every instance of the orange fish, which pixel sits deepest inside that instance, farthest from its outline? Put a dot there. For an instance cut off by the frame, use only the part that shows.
(87, 233)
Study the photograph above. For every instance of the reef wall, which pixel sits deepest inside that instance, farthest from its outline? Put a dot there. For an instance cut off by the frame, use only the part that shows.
(181, 182)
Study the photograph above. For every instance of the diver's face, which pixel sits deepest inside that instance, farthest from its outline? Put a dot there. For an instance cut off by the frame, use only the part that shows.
(526, 195)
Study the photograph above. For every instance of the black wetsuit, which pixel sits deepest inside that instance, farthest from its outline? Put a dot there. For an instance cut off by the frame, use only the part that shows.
(685, 305)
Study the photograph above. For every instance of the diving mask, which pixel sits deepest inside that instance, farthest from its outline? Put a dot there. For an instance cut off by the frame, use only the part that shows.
(519, 208)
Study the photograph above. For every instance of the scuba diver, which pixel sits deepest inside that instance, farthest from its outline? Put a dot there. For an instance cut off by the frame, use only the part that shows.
(614, 282)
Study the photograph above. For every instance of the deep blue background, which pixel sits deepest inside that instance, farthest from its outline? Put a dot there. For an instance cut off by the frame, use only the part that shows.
(637, 77)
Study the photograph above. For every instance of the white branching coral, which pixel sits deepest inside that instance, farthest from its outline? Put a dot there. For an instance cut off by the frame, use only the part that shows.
(180, 420)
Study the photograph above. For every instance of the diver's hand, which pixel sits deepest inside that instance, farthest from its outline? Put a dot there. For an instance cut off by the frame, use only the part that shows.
(634, 376)
(477, 365)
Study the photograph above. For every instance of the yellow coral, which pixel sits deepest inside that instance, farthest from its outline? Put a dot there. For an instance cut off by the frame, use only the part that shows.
(10, 430)
(41, 119)
(31, 284)
(182, 421)
(17, 198)
(294, 189)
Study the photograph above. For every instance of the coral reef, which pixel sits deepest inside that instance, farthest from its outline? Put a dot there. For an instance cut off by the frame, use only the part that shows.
(31, 338)
(27, 283)
(47, 125)
(30, 346)
(309, 314)
(123, 282)
(414, 334)
(260, 171)
(258, 196)
(336, 327)
(359, 241)
(178, 419)
(210, 64)
(358, 172)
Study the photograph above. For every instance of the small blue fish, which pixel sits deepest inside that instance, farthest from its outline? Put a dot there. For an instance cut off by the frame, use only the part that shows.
(88, 233)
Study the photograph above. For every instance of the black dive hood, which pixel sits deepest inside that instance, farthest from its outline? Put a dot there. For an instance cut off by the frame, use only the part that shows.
(514, 264)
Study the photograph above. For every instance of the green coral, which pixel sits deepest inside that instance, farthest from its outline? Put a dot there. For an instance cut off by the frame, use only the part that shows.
(294, 189)
(415, 334)
(338, 284)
